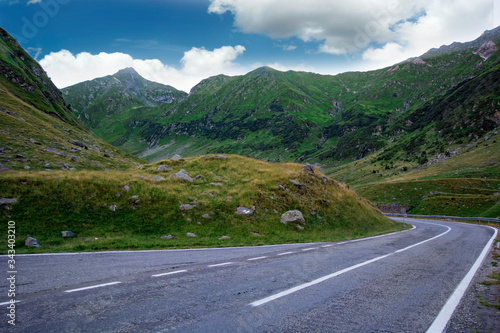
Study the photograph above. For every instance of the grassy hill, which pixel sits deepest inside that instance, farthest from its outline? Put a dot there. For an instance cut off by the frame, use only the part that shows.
(55, 175)
(53, 202)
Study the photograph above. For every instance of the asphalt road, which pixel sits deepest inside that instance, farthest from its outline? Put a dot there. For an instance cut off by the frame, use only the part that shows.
(403, 282)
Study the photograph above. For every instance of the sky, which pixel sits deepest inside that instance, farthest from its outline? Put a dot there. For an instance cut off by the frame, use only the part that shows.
(181, 42)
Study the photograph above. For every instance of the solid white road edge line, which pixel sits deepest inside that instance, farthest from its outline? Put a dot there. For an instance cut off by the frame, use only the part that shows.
(345, 270)
(170, 273)
(7, 303)
(92, 287)
(444, 316)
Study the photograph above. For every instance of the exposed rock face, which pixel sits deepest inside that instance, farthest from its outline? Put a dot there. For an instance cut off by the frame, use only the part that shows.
(487, 49)
(296, 183)
(292, 216)
(177, 157)
(31, 242)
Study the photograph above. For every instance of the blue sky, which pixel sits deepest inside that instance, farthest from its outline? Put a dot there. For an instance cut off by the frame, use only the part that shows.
(180, 42)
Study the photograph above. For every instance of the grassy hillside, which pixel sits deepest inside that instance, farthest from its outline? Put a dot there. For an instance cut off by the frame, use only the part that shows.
(49, 203)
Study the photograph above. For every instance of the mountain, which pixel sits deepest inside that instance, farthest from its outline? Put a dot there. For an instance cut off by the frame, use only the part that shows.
(109, 105)
(39, 130)
(299, 116)
(55, 175)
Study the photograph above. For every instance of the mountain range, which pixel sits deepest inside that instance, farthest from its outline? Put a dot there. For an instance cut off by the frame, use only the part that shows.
(412, 110)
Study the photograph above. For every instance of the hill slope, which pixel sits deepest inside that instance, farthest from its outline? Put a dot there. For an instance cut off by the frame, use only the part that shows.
(39, 131)
(57, 176)
(111, 105)
(298, 116)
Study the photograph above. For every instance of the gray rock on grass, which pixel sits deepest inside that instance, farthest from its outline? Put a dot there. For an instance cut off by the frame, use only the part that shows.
(31, 242)
(292, 216)
(244, 211)
(67, 234)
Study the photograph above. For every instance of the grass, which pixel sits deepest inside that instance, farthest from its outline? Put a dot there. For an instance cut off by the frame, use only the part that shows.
(49, 203)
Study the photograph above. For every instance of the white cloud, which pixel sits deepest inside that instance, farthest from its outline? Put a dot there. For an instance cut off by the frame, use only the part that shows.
(377, 29)
(31, 2)
(67, 69)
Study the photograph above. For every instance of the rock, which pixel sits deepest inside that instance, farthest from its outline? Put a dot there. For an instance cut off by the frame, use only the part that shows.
(113, 207)
(244, 211)
(206, 216)
(216, 184)
(20, 156)
(221, 156)
(224, 237)
(186, 207)
(308, 168)
(31, 242)
(190, 234)
(324, 179)
(294, 182)
(5, 201)
(66, 234)
(300, 227)
(167, 237)
(106, 155)
(75, 159)
(292, 216)
(80, 144)
(162, 167)
(157, 178)
(182, 175)
(177, 157)
(135, 197)
(27, 167)
(117, 195)
(126, 188)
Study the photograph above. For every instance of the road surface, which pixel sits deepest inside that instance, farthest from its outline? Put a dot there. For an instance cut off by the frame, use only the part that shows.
(403, 282)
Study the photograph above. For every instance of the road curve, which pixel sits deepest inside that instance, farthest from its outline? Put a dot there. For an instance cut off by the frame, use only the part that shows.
(402, 282)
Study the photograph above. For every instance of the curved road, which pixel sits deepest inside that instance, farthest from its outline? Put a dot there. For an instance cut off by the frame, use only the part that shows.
(403, 282)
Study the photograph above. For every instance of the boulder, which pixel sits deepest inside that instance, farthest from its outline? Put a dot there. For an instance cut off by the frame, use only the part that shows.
(66, 234)
(177, 157)
(157, 178)
(292, 216)
(308, 168)
(221, 157)
(224, 237)
(162, 167)
(126, 188)
(167, 237)
(31, 242)
(182, 175)
(5, 201)
(296, 183)
(186, 207)
(244, 211)
(113, 207)
(190, 234)
(206, 216)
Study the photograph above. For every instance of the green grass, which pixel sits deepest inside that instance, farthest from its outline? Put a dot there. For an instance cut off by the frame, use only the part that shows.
(49, 203)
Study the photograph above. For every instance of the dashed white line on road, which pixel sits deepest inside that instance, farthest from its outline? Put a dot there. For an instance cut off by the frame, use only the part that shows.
(223, 264)
(92, 287)
(345, 270)
(285, 253)
(258, 258)
(7, 303)
(309, 249)
(170, 273)
(328, 245)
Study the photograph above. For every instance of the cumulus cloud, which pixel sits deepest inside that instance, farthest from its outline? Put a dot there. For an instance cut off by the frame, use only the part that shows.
(67, 69)
(377, 29)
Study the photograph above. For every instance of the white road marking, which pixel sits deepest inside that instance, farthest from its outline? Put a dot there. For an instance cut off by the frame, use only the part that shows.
(285, 253)
(444, 316)
(92, 287)
(223, 264)
(7, 303)
(170, 273)
(309, 249)
(345, 270)
(328, 245)
(258, 258)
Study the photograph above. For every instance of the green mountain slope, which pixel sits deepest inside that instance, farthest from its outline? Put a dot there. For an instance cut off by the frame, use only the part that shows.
(298, 116)
(39, 131)
(111, 105)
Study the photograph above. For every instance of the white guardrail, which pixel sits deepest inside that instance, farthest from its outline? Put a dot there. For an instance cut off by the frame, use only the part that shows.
(481, 219)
